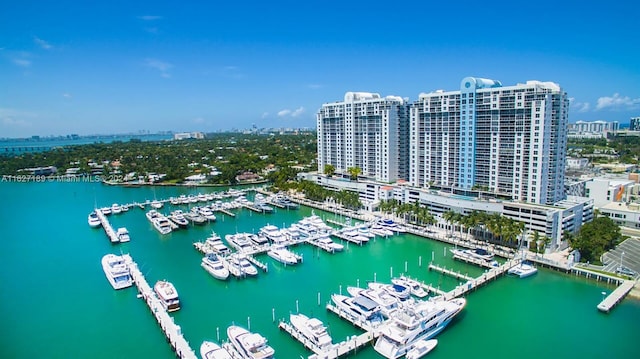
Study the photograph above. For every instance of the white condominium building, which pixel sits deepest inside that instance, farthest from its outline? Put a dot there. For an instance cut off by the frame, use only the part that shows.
(364, 131)
(506, 140)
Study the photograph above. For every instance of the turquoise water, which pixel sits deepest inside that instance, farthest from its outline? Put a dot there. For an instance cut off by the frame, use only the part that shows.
(58, 304)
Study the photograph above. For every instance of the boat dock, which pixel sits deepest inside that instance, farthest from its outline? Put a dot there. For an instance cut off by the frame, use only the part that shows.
(258, 264)
(172, 331)
(337, 234)
(345, 347)
(449, 272)
(336, 223)
(252, 208)
(478, 262)
(312, 241)
(359, 324)
(616, 296)
(113, 236)
(433, 289)
(230, 214)
(474, 283)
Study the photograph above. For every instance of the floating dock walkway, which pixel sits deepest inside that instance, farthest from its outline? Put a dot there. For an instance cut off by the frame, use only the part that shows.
(332, 351)
(474, 283)
(616, 296)
(449, 272)
(113, 237)
(170, 329)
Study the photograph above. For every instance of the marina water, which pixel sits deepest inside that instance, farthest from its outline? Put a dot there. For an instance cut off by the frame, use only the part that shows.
(57, 303)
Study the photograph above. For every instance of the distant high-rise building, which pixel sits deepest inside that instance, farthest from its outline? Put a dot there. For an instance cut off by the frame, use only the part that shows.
(510, 141)
(592, 129)
(634, 124)
(364, 131)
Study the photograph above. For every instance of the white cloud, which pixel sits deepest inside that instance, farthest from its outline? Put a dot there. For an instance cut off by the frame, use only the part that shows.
(580, 107)
(43, 44)
(265, 114)
(292, 113)
(617, 102)
(299, 111)
(314, 86)
(161, 66)
(150, 17)
(22, 62)
(66, 95)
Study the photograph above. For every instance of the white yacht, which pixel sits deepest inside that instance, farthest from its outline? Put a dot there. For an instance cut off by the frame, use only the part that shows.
(331, 246)
(399, 291)
(215, 243)
(249, 345)
(123, 235)
(391, 225)
(152, 215)
(162, 224)
(523, 270)
(214, 264)
(207, 213)
(211, 350)
(312, 328)
(414, 286)
(317, 222)
(421, 348)
(156, 204)
(388, 303)
(283, 255)
(105, 210)
(240, 241)
(117, 271)
(380, 230)
(359, 308)
(239, 266)
(273, 233)
(168, 295)
(352, 235)
(116, 208)
(421, 322)
(178, 218)
(93, 220)
(477, 254)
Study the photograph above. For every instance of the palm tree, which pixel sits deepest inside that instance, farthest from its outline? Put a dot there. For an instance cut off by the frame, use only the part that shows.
(354, 172)
(449, 216)
(329, 170)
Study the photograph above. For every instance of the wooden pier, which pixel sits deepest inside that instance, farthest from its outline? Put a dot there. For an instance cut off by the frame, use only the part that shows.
(351, 344)
(337, 223)
(257, 263)
(616, 296)
(433, 289)
(230, 214)
(113, 236)
(474, 283)
(449, 272)
(172, 331)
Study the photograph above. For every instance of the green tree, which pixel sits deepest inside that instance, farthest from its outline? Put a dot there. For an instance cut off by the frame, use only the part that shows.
(329, 170)
(354, 172)
(595, 238)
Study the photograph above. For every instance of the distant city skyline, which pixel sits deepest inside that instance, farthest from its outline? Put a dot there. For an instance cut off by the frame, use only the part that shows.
(117, 67)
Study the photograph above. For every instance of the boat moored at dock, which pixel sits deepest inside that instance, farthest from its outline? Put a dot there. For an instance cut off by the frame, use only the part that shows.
(421, 348)
(168, 295)
(421, 322)
(523, 270)
(283, 255)
(211, 350)
(117, 271)
(123, 235)
(359, 308)
(414, 286)
(249, 345)
(312, 329)
(93, 220)
(214, 264)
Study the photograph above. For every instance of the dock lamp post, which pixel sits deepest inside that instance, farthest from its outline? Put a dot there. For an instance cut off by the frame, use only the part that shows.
(603, 294)
(621, 256)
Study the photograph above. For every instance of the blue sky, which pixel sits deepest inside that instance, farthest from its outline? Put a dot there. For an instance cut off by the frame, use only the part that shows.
(124, 66)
